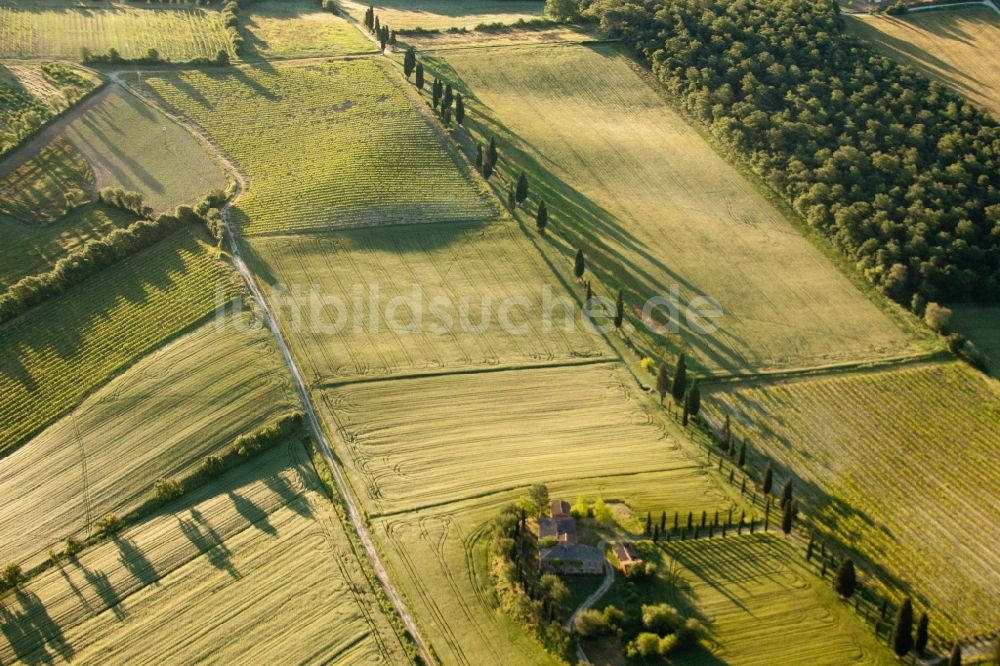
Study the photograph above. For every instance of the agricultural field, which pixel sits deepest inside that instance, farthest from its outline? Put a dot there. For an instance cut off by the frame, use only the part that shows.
(61, 28)
(443, 14)
(761, 604)
(337, 295)
(489, 432)
(881, 465)
(297, 29)
(32, 93)
(159, 418)
(434, 459)
(134, 146)
(325, 146)
(654, 207)
(256, 566)
(60, 350)
(981, 324)
(45, 187)
(959, 47)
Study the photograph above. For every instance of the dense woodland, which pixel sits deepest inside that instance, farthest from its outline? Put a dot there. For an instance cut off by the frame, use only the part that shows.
(901, 173)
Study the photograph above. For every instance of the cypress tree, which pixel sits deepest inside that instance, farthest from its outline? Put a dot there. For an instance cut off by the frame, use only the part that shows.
(522, 187)
(487, 165)
(392, 37)
(679, 386)
(448, 98)
(419, 81)
(376, 27)
(370, 18)
(675, 521)
(409, 61)
(656, 534)
(649, 523)
(786, 493)
(436, 93)
(619, 310)
(768, 479)
(479, 156)
(743, 453)
(955, 659)
(920, 642)
(590, 292)
(663, 521)
(541, 218)
(847, 580)
(446, 116)
(786, 519)
(459, 109)
(690, 520)
(902, 631)
(579, 265)
(661, 381)
(491, 151)
(694, 398)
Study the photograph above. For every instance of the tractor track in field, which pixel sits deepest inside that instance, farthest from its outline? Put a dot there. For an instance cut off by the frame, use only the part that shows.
(354, 514)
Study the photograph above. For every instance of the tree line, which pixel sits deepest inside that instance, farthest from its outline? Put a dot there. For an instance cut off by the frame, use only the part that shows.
(901, 173)
(99, 253)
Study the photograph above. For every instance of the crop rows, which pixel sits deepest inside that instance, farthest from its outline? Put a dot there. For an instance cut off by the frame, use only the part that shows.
(157, 419)
(485, 266)
(253, 567)
(442, 14)
(63, 348)
(58, 29)
(325, 146)
(42, 189)
(886, 470)
(764, 607)
(411, 445)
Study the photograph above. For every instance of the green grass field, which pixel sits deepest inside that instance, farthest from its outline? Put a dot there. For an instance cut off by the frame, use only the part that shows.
(466, 268)
(159, 418)
(134, 146)
(959, 47)
(981, 324)
(325, 146)
(442, 14)
(60, 28)
(625, 178)
(297, 29)
(253, 567)
(45, 187)
(57, 352)
(759, 600)
(898, 462)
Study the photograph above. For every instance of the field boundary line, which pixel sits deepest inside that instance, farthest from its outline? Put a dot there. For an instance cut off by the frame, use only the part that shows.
(833, 369)
(334, 229)
(952, 5)
(567, 363)
(687, 464)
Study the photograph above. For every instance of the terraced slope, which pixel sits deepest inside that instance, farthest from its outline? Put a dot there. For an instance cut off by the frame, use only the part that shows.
(325, 146)
(188, 399)
(899, 463)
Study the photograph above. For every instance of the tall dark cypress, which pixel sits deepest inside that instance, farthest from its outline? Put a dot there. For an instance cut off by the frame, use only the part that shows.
(679, 386)
(522, 187)
(902, 631)
(409, 61)
(459, 109)
(920, 642)
(662, 382)
(419, 80)
(786, 519)
(847, 578)
(955, 659)
(743, 453)
(694, 398)
(619, 310)
(491, 152)
(786, 492)
(768, 479)
(541, 218)
(579, 265)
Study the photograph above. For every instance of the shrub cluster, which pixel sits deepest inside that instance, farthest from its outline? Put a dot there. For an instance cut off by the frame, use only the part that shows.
(901, 173)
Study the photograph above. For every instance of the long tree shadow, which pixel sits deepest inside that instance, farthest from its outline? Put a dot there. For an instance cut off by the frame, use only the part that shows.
(210, 543)
(105, 590)
(252, 513)
(32, 632)
(135, 562)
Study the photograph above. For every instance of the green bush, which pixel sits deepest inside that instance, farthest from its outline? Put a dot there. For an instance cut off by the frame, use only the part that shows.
(109, 525)
(212, 466)
(165, 490)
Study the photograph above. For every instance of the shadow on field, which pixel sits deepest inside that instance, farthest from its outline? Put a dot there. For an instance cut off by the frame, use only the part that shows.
(252, 513)
(32, 632)
(114, 156)
(135, 562)
(209, 542)
(585, 224)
